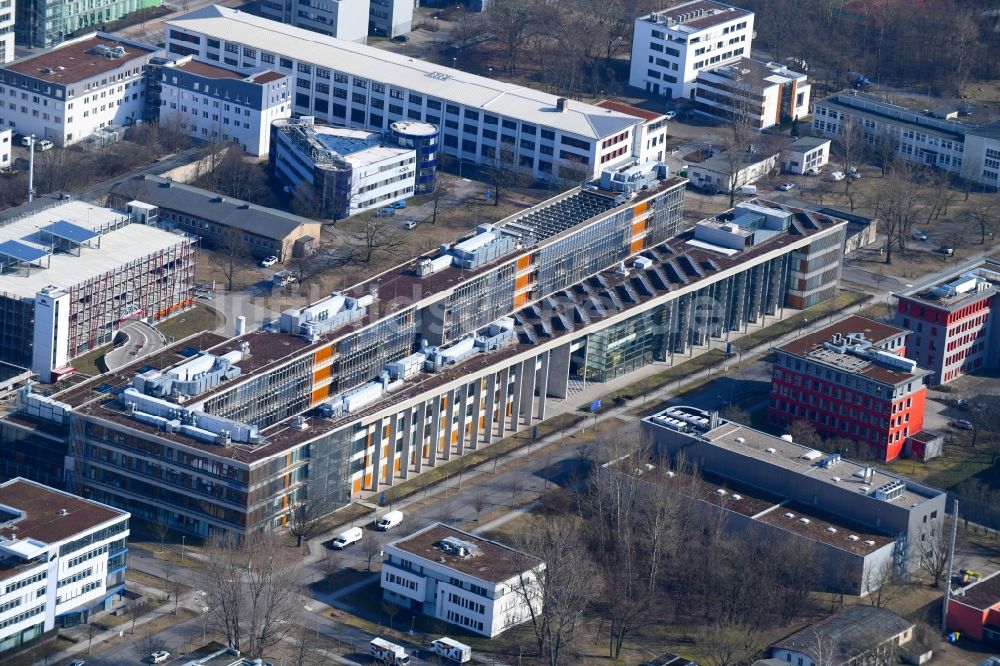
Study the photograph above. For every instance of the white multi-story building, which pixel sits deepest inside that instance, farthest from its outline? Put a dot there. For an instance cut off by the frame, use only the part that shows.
(461, 579)
(808, 152)
(71, 91)
(764, 92)
(62, 558)
(343, 19)
(345, 171)
(6, 148)
(482, 120)
(222, 103)
(389, 18)
(6, 31)
(672, 46)
(649, 136)
(932, 138)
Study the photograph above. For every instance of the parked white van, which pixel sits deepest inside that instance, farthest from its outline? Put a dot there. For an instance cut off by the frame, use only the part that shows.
(748, 190)
(389, 520)
(452, 649)
(345, 539)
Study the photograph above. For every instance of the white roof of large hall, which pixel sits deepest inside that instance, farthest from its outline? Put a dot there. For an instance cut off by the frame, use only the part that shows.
(401, 71)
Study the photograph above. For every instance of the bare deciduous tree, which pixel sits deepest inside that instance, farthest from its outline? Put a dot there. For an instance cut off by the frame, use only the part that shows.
(375, 234)
(850, 144)
(230, 254)
(306, 519)
(932, 550)
(371, 547)
(513, 22)
(730, 644)
(884, 583)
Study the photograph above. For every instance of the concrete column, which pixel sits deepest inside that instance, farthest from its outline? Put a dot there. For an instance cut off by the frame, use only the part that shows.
(377, 462)
(461, 406)
(390, 460)
(502, 402)
(543, 386)
(404, 463)
(491, 389)
(530, 371)
(477, 399)
(449, 415)
(418, 460)
(435, 431)
(558, 375)
(516, 387)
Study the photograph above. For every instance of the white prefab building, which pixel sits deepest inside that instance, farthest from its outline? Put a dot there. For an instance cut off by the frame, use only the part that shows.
(222, 103)
(482, 120)
(672, 46)
(805, 153)
(6, 148)
(345, 171)
(73, 90)
(767, 92)
(717, 171)
(343, 19)
(461, 579)
(62, 558)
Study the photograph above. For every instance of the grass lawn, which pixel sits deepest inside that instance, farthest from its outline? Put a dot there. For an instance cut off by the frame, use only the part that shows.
(959, 463)
(92, 363)
(841, 301)
(195, 320)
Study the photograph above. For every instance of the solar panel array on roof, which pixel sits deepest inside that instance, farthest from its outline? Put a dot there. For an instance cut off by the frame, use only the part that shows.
(564, 214)
(21, 252)
(74, 233)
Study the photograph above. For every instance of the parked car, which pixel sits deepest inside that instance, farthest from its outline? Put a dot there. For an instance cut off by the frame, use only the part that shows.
(709, 189)
(919, 235)
(269, 261)
(346, 538)
(853, 173)
(385, 212)
(670, 115)
(389, 520)
(410, 224)
(814, 171)
(401, 39)
(398, 204)
(77, 663)
(784, 187)
(946, 251)
(159, 657)
(837, 176)
(43, 144)
(962, 424)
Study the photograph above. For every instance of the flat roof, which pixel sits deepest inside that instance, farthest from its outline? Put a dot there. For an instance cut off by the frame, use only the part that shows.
(118, 247)
(402, 71)
(43, 518)
(981, 595)
(809, 142)
(929, 290)
(863, 105)
(491, 561)
(210, 70)
(756, 73)
(75, 61)
(853, 631)
(845, 474)
(813, 346)
(628, 109)
(697, 15)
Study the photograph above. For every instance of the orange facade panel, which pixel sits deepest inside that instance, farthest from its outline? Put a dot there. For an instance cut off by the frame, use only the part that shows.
(323, 353)
(522, 281)
(321, 374)
(320, 394)
(636, 246)
(640, 208)
(521, 299)
(523, 262)
(357, 486)
(638, 227)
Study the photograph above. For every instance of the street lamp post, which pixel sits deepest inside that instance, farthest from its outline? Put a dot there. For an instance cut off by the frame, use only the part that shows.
(454, 63)
(182, 548)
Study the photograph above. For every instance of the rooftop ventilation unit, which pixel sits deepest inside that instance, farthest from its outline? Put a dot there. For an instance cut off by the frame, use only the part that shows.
(720, 492)
(789, 514)
(869, 542)
(831, 530)
(852, 537)
(737, 497)
(804, 521)
(888, 492)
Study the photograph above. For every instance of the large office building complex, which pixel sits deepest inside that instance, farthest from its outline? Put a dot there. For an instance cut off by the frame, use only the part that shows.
(851, 379)
(428, 361)
(62, 559)
(70, 92)
(214, 103)
(43, 24)
(340, 172)
(861, 523)
(343, 19)
(953, 320)
(482, 120)
(914, 134)
(462, 579)
(70, 274)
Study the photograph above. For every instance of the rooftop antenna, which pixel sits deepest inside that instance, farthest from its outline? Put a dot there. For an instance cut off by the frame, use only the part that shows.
(31, 168)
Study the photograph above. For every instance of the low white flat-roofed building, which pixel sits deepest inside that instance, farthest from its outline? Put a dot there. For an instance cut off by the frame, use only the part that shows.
(460, 578)
(222, 103)
(805, 153)
(77, 88)
(482, 120)
(717, 171)
(71, 273)
(340, 171)
(62, 559)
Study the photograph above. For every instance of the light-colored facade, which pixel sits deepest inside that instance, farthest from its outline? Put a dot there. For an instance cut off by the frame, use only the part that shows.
(805, 153)
(6, 31)
(214, 103)
(953, 319)
(858, 635)
(343, 19)
(72, 273)
(671, 47)
(342, 171)
(937, 140)
(766, 93)
(482, 120)
(62, 558)
(479, 585)
(71, 91)
(43, 24)
(717, 171)
(650, 135)
(6, 148)
(389, 18)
